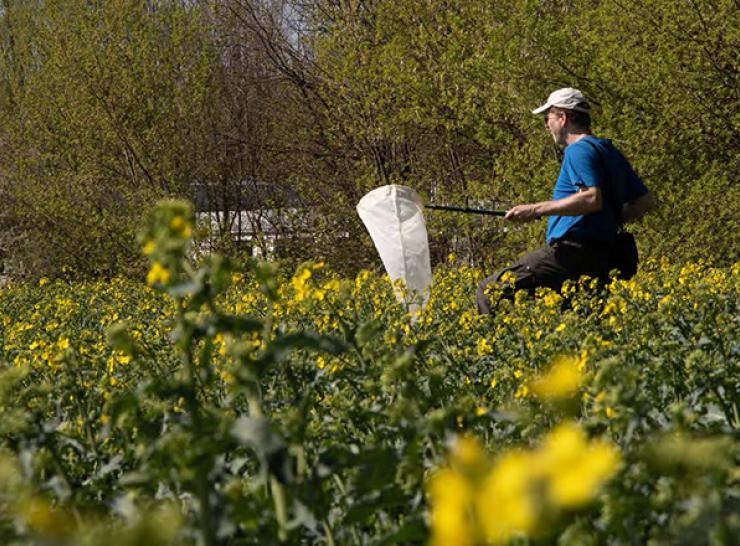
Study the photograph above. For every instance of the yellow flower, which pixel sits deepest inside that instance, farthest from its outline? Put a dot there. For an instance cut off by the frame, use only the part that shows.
(560, 327)
(470, 504)
(450, 497)
(483, 347)
(574, 467)
(508, 278)
(300, 284)
(157, 275)
(504, 506)
(521, 392)
(149, 248)
(561, 381)
(43, 281)
(467, 452)
(181, 227)
(332, 285)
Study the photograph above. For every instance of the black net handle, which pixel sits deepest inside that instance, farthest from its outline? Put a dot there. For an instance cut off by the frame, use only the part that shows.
(467, 210)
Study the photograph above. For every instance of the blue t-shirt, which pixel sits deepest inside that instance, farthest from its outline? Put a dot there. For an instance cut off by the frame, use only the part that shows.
(582, 167)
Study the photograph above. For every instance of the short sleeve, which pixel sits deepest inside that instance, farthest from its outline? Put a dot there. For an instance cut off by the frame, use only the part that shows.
(634, 188)
(583, 165)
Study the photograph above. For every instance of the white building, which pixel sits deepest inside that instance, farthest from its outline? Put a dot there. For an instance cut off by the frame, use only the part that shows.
(253, 216)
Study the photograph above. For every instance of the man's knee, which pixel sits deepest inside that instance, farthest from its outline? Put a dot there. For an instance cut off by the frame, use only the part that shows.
(488, 285)
(481, 298)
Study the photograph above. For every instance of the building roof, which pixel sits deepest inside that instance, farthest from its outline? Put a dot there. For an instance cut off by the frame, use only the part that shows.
(245, 196)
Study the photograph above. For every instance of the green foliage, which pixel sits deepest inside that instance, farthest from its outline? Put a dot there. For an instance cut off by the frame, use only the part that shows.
(102, 108)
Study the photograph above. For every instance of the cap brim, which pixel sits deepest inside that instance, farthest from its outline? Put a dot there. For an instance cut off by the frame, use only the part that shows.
(542, 108)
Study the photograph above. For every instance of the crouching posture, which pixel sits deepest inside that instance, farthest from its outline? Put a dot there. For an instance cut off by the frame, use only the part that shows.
(596, 192)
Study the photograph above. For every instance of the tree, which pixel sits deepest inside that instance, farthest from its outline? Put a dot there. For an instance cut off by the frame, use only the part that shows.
(102, 110)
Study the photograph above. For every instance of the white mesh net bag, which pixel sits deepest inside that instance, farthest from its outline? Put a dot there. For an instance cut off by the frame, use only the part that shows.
(393, 217)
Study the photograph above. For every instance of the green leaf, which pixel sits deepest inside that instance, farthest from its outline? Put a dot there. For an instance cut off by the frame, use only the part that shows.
(279, 349)
(368, 331)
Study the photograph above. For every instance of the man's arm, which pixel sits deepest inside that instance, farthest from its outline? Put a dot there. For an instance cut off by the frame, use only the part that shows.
(585, 201)
(632, 212)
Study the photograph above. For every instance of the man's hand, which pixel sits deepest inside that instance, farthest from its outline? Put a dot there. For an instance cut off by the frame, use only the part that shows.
(631, 212)
(523, 213)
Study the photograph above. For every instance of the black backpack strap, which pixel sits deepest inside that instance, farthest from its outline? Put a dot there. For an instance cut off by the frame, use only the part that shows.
(610, 195)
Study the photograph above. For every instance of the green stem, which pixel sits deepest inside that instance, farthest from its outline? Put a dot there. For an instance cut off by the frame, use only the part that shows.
(254, 400)
(276, 488)
(281, 511)
(300, 461)
(328, 533)
(201, 479)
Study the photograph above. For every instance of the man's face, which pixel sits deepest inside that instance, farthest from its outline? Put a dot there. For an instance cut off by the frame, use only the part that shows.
(555, 123)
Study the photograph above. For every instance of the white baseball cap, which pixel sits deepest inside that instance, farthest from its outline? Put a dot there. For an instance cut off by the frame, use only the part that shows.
(567, 98)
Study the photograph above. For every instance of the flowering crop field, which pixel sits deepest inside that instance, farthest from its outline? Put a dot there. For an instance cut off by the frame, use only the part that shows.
(241, 405)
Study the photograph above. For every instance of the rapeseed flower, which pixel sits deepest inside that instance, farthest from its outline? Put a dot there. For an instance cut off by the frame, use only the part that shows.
(483, 347)
(451, 496)
(300, 284)
(467, 453)
(561, 381)
(520, 492)
(181, 227)
(505, 507)
(149, 248)
(574, 468)
(552, 299)
(158, 274)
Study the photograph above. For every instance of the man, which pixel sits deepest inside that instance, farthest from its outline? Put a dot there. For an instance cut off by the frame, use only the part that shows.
(596, 191)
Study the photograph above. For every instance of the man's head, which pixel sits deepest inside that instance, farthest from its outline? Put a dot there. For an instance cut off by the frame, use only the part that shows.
(566, 113)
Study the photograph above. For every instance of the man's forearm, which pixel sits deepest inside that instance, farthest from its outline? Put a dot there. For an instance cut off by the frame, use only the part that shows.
(632, 212)
(583, 202)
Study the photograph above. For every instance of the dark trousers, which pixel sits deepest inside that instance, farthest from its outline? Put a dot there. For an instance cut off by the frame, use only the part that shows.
(549, 266)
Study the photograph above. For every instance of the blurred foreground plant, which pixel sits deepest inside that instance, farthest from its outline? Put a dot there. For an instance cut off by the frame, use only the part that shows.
(521, 493)
(214, 431)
